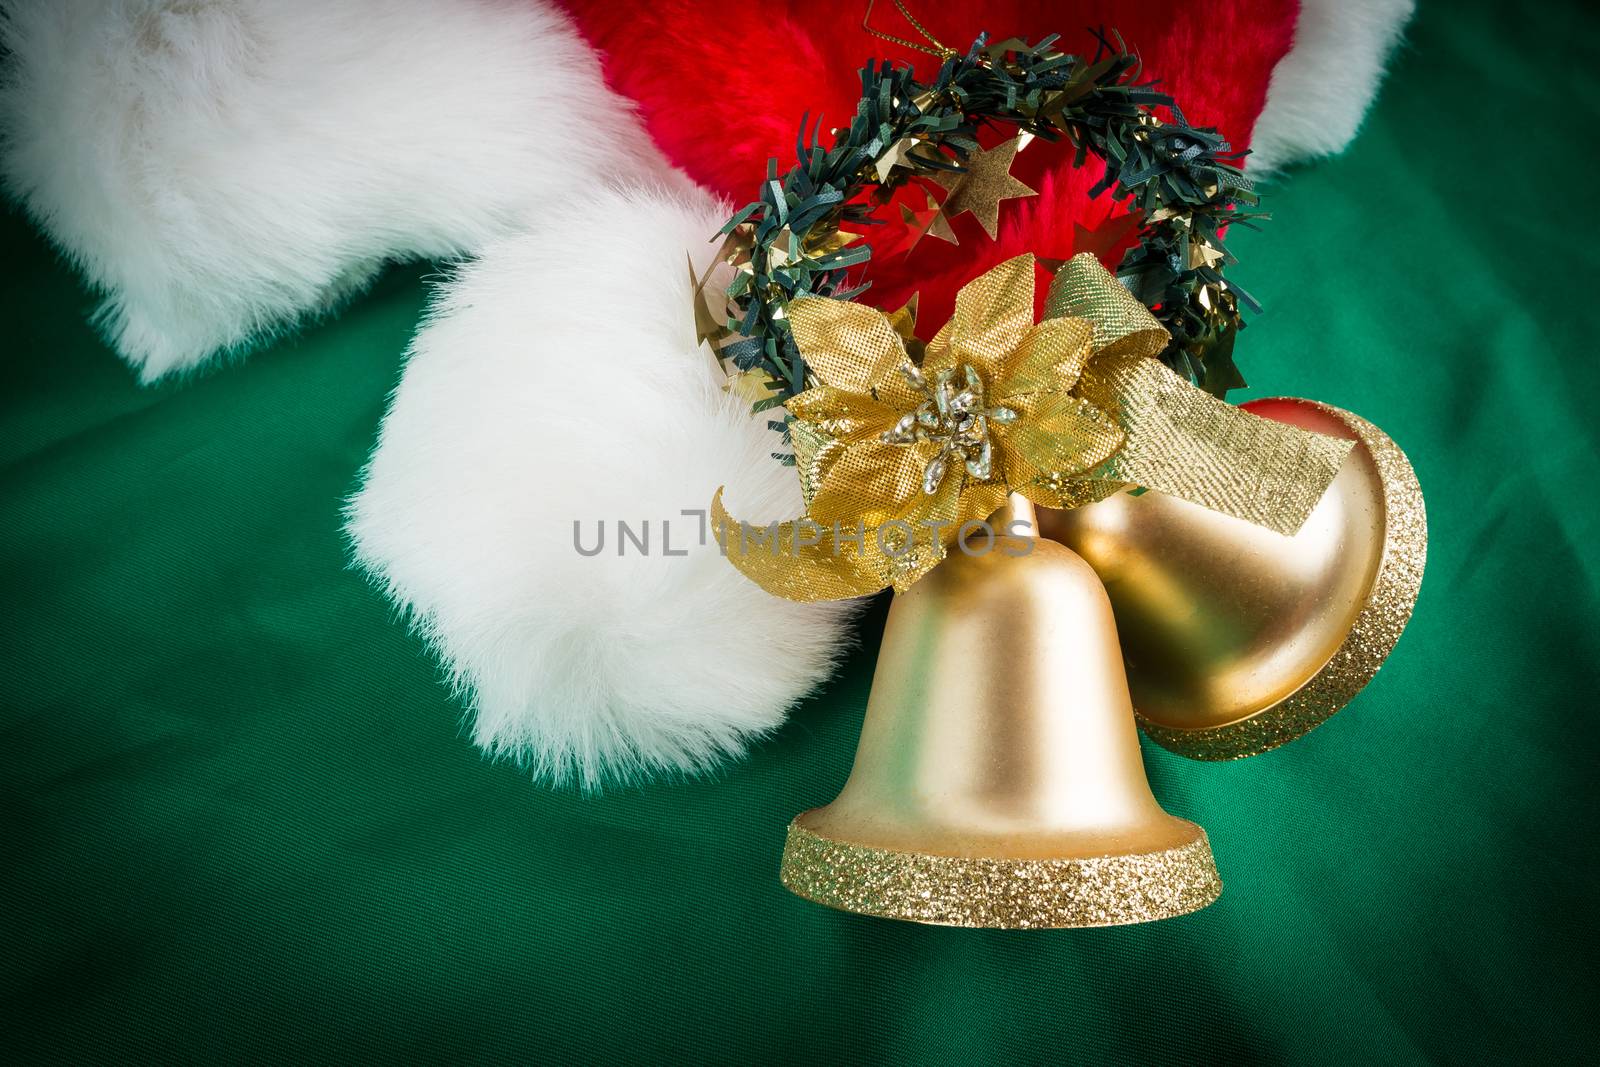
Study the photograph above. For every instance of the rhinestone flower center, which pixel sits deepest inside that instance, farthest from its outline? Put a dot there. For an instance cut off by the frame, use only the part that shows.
(955, 417)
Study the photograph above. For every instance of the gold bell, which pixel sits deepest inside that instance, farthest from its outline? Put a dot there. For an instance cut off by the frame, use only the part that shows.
(1239, 639)
(998, 780)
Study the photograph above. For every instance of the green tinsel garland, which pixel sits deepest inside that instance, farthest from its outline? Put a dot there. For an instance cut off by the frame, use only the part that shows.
(1181, 178)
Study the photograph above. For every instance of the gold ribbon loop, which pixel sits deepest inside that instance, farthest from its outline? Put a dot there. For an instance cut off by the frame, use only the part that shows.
(1181, 440)
(806, 561)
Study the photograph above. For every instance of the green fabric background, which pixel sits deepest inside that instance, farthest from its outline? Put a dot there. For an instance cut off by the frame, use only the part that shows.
(241, 821)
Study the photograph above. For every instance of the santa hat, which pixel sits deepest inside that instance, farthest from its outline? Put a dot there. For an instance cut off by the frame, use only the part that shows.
(221, 172)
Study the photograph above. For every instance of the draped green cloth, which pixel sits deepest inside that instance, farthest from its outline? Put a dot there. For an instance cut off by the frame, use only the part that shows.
(241, 822)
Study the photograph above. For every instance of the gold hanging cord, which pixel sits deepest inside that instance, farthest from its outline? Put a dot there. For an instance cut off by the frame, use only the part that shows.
(943, 51)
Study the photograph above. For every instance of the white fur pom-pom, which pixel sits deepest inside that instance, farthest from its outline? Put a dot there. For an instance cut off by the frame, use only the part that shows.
(557, 389)
(1322, 89)
(223, 168)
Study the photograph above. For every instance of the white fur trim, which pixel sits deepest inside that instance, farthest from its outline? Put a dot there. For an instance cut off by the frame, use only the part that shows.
(558, 380)
(1322, 89)
(222, 168)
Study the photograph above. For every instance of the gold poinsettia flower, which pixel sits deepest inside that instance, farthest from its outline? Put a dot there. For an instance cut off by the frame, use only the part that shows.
(989, 410)
(897, 453)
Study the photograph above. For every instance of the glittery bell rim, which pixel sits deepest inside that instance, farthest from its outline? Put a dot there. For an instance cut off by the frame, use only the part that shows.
(1377, 628)
(1013, 894)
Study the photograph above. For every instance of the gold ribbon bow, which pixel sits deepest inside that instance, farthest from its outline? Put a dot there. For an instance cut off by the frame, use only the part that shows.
(896, 457)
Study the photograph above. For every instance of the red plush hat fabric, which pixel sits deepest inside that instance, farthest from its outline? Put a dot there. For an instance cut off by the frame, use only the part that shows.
(722, 87)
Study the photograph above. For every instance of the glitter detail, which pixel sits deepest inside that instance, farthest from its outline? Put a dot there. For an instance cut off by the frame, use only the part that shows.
(954, 416)
(1008, 893)
(1371, 639)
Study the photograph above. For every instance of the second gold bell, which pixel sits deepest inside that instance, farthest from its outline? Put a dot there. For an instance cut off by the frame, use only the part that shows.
(1238, 639)
(998, 779)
